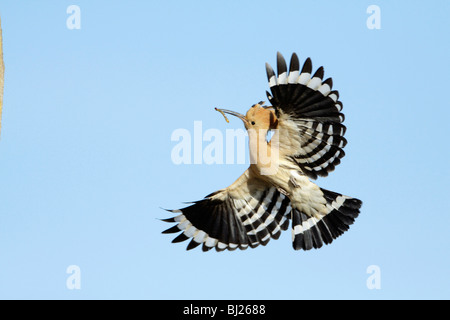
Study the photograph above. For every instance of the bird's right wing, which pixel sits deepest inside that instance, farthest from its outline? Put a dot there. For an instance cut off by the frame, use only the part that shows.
(309, 114)
(246, 214)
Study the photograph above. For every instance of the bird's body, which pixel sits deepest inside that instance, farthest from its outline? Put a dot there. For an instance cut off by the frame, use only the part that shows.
(307, 141)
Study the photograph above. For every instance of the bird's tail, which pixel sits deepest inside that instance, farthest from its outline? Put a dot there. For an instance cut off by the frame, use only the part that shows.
(312, 232)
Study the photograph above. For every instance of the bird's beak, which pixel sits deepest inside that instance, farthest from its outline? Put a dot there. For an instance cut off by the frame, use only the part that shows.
(233, 113)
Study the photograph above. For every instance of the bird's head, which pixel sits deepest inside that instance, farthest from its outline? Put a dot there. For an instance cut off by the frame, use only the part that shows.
(258, 117)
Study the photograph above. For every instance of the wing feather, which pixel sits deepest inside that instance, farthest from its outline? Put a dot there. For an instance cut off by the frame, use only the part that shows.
(309, 105)
(247, 214)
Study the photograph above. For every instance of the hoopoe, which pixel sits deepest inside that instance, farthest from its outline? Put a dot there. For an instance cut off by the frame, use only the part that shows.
(308, 141)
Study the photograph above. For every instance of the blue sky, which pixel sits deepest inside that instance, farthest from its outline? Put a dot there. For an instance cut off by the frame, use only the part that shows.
(85, 150)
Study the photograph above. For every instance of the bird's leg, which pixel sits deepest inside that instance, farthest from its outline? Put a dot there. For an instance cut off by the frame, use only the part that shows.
(282, 191)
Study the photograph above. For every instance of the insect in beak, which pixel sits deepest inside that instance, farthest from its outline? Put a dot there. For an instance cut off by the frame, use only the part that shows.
(233, 113)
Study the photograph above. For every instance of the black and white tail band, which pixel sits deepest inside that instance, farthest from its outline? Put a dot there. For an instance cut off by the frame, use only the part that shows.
(313, 232)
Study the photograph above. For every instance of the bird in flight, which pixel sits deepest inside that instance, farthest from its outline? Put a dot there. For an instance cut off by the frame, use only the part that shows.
(308, 140)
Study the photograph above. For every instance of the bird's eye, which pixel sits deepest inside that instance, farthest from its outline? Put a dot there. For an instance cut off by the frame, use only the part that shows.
(253, 123)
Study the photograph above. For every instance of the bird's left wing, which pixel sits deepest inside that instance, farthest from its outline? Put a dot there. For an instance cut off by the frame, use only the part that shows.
(309, 114)
(246, 214)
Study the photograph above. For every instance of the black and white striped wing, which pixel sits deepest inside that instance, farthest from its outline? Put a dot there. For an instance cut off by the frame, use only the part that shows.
(239, 218)
(306, 104)
(310, 232)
